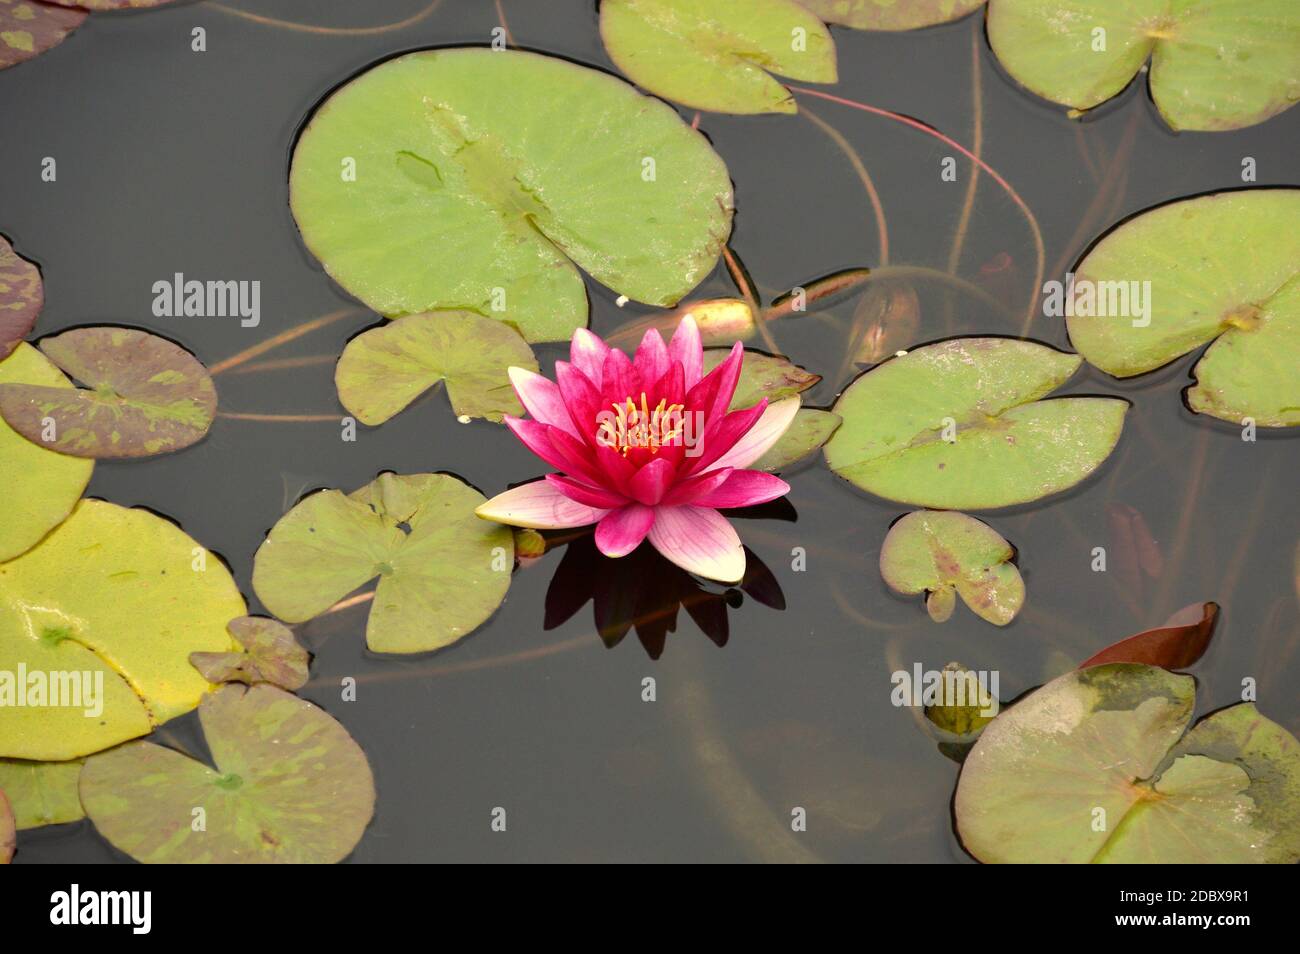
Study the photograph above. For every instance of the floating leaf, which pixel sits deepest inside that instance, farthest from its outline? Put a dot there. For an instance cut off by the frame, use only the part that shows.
(29, 28)
(8, 831)
(21, 292)
(145, 396)
(271, 654)
(942, 553)
(42, 793)
(386, 368)
(290, 786)
(958, 425)
(1223, 267)
(810, 429)
(442, 570)
(1176, 645)
(464, 198)
(762, 376)
(715, 56)
(41, 485)
(1215, 64)
(117, 595)
(1094, 766)
(100, 5)
(891, 14)
(964, 708)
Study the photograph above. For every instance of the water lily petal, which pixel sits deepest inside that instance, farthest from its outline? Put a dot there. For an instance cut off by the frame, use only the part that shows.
(583, 493)
(744, 488)
(539, 505)
(652, 481)
(760, 438)
(541, 398)
(700, 541)
(687, 491)
(587, 353)
(576, 458)
(723, 434)
(536, 437)
(620, 379)
(621, 532)
(712, 393)
(687, 349)
(651, 356)
(581, 398)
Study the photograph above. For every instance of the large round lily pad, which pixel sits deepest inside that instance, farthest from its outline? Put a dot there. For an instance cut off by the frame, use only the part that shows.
(1094, 767)
(386, 368)
(41, 485)
(21, 292)
(718, 56)
(480, 180)
(442, 570)
(958, 425)
(42, 793)
(1223, 268)
(290, 786)
(113, 598)
(143, 396)
(29, 28)
(891, 14)
(1215, 64)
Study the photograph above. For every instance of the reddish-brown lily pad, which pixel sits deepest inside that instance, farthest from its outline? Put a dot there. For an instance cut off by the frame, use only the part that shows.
(1179, 643)
(143, 396)
(28, 29)
(271, 654)
(21, 292)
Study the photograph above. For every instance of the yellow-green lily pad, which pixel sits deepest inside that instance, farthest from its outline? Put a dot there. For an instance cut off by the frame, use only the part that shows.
(28, 28)
(718, 56)
(1095, 767)
(442, 570)
(762, 376)
(421, 187)
(114, 599)
(21, 292)
(959, 425)
(810, 429)
(42, 793)
(290, 786)
(385, 369)
(891, 14)
(270, 654)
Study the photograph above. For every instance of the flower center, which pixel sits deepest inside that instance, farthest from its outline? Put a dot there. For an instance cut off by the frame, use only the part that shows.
(631, 425)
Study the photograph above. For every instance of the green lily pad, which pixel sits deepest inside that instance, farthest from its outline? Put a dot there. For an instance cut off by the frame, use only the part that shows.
(271, 654)
(1223, 268)
(144, 396)
(290, 786)
(463, 198)
(41, 485)
(715, 56)
(42, 793)
(28, 29)
(386, 368)
(810, 429)
(21, 293)
(762, 376)
(1094, 766)
(8, 831)
(117, 595)
(963, 709)
(958, 425)
(891, 14)
(944, 553)
(442, 570)
(1215, 64)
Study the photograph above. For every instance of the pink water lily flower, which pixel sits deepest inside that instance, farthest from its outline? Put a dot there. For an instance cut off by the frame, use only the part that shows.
(646, 449)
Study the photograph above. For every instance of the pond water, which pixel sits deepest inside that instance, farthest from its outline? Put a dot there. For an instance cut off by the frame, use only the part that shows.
(172, 161)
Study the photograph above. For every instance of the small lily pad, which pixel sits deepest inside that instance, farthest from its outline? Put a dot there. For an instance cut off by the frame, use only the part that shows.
(958, 425)
(943, 553)
(421, 187)
(442, 570)
(810, 429)
(112, 603)
(386, 368)
(1215, 64)
(289, 786)
(762, 376)
(144, 396)
(715, 56)
(964, 707)
(1095, 767)
(41, 485)
(42, 793)
(1179, 643)
(271, 654)
(891, 14)
(29, 28)
(21, 292)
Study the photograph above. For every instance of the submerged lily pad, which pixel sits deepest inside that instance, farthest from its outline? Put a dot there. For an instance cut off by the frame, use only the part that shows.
(420, 187)
(944, 554)
(29, 28)
(715, 56)
(1223, 268)
(442, 570)
(100, 5)
(144, 396)
(113, 597)
(964, 707)
(1094, 767)
(290, 786)
(42, 793)
(891, 14)
(386, 368)
(1215, 64)
(271, 654)
(958, 425)
(21, 292)
(41, 485)
(810, 429)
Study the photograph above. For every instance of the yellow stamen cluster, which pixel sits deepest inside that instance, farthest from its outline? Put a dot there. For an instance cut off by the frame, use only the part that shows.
(632, 425)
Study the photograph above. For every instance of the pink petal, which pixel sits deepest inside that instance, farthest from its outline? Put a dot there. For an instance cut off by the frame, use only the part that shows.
(541, 398)
(536, 437)
(758, 440)
(651, 356)
(540, 506)
(577, 459)
(583, 493)
(728, 375)
(686, 491)
(621, 532)
(652, 481)
(581, 398)
(722, 435)
(620, 380)
(700, 541)
(744, 488)
(687, 349)
(587, 353)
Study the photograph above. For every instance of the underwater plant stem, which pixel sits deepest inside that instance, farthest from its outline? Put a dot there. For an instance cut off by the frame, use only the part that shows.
(977, 146)
(864, 176)
(746, 287)
(1187, 513)
(283, 337)
(284, 364)
(279, 418)
(469, 665)
(328, 31)
(501, 18)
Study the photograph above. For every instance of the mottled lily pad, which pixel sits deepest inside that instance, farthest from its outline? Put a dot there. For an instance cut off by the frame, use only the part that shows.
(1094, 767)
(442, 570)
(271, 654)
(420, 187)
(289, 786)
(810, 429)
(41, 486)
(718, 57)
(117, 598)
(891, 14)
(1223, 268)
(958, 425)
(143, 396)
(21, 292)
(944, 555)
(42, 793)
(762, 376)
(29, 28)
(1215, 64)
(1179, 643)
(386, 368)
